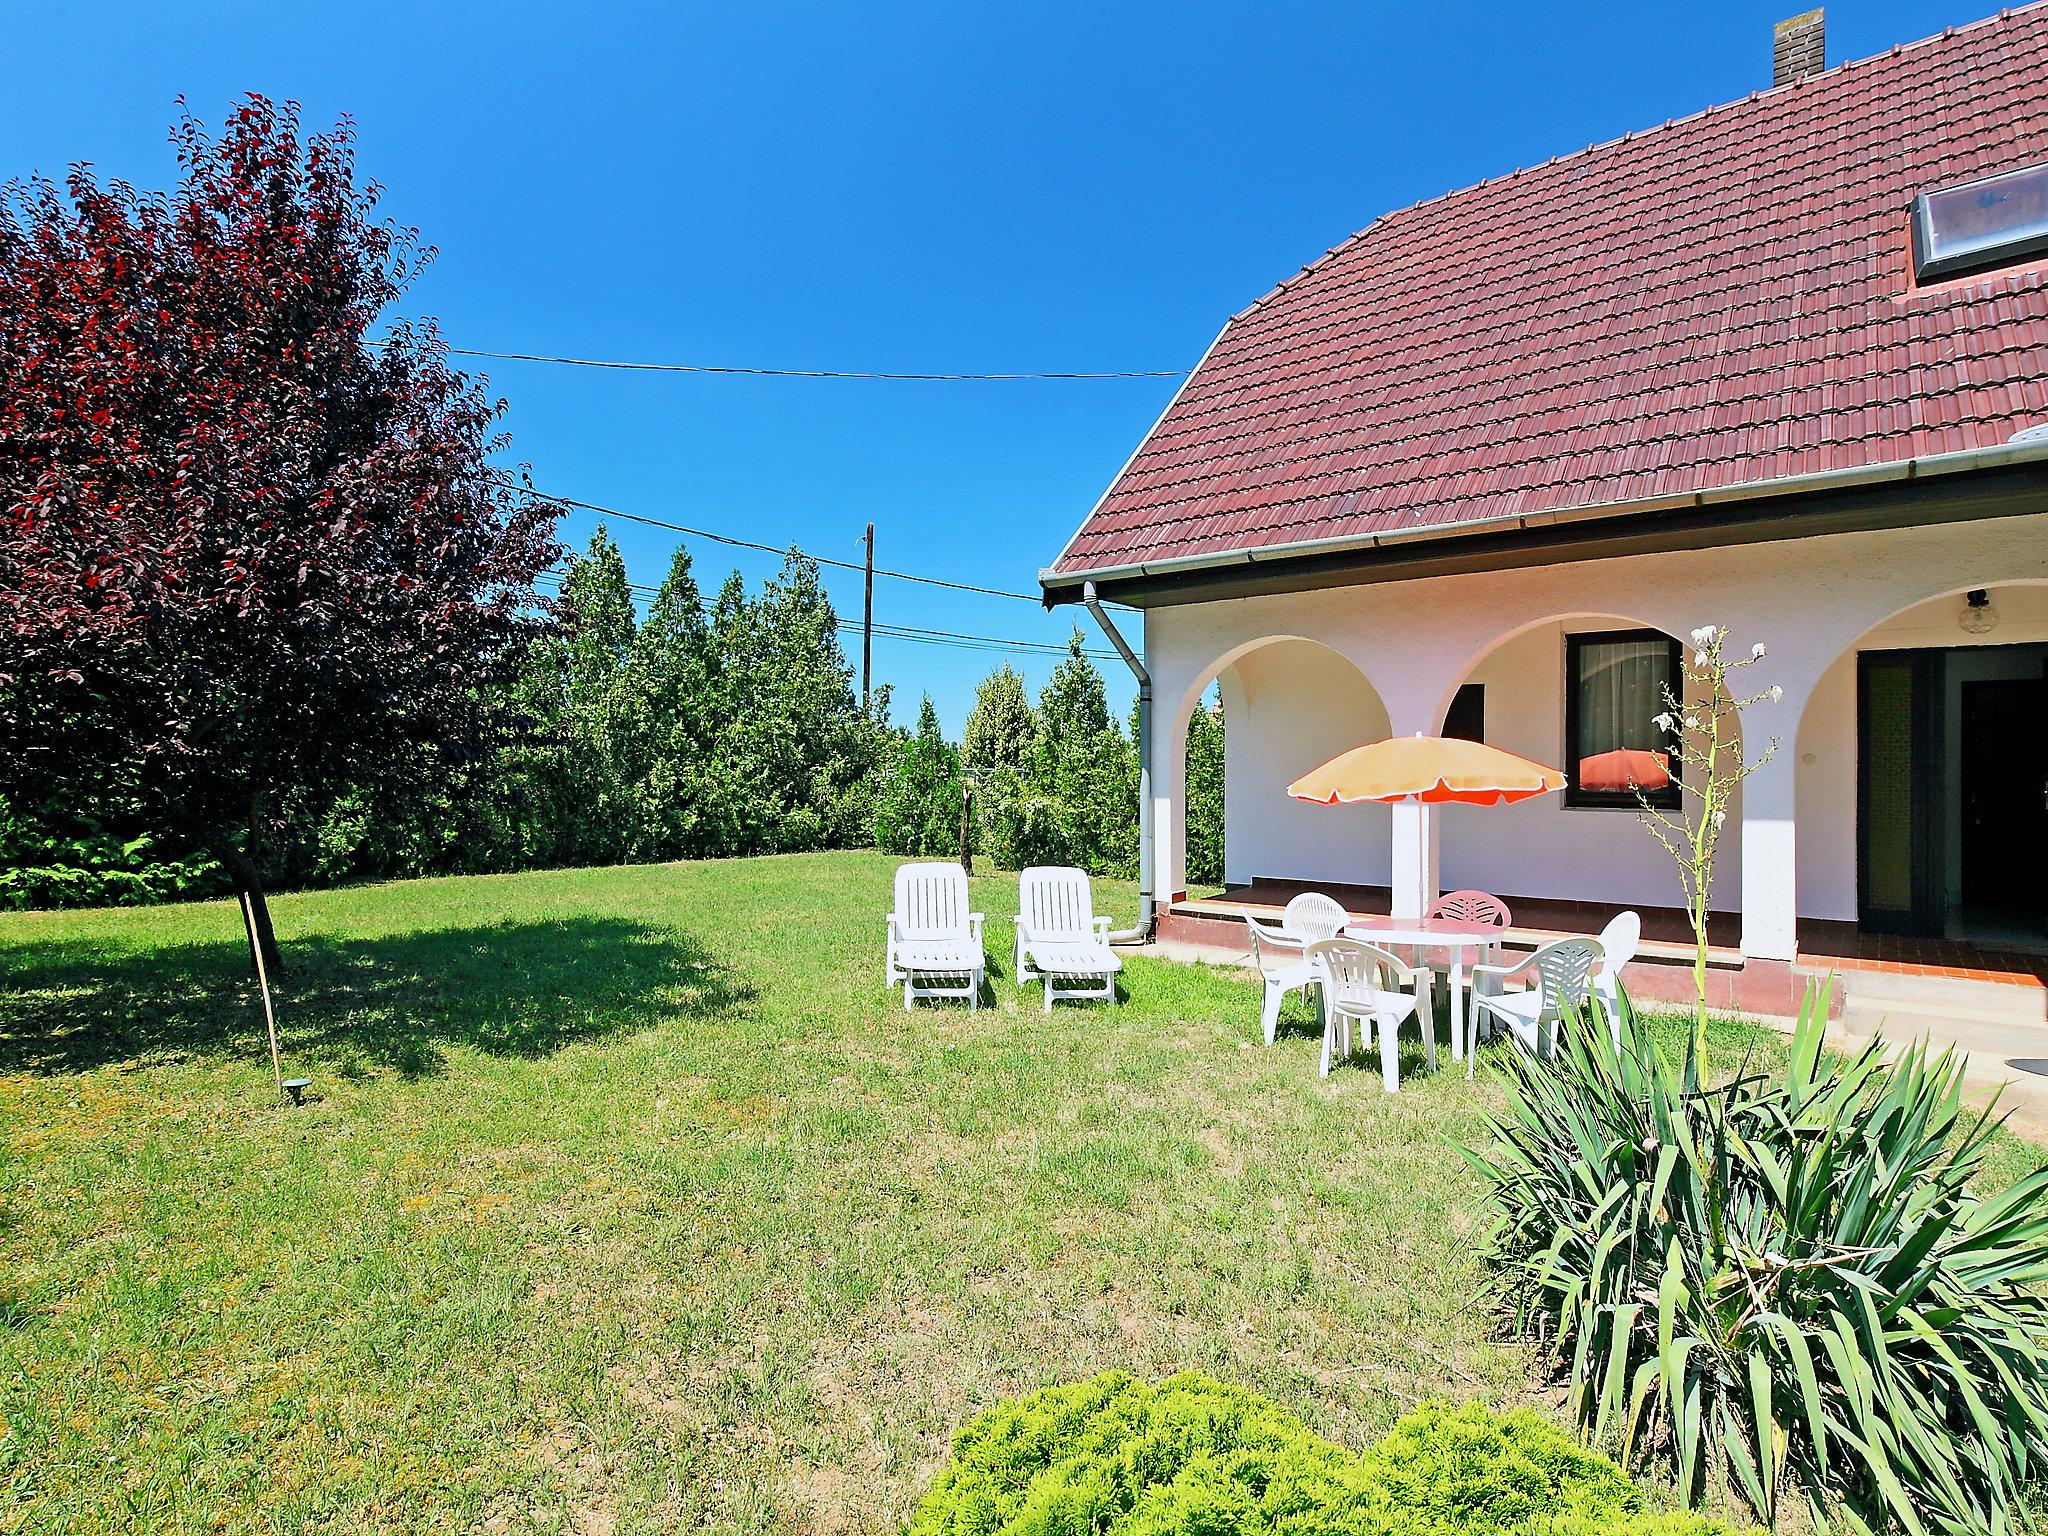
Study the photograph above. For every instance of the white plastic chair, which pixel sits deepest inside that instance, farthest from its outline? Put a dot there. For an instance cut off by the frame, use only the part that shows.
(1479, 909)
(1618, 943)
(1060, 940)
(1474, 907)
(1562, 971)
(1362, 984)
(1280, 952)
(934, 941)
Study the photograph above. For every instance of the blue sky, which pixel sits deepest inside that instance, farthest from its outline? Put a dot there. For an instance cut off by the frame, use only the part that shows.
(941, 187)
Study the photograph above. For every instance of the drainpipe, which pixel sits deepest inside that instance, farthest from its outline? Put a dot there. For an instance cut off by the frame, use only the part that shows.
(1143, 931)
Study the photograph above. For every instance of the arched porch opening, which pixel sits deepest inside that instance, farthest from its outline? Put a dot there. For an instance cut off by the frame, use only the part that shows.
(1287, 704)
(1921, 769)
(1569, 690)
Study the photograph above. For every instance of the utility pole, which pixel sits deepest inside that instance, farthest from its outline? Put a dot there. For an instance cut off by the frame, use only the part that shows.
(867, 623)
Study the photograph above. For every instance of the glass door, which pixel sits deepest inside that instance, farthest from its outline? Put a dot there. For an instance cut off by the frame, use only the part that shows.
(1898, 735)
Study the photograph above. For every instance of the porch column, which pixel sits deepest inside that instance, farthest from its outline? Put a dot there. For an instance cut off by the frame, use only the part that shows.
(1169, 802)
(1770, 896)
(1415, 858)
(1413, 697)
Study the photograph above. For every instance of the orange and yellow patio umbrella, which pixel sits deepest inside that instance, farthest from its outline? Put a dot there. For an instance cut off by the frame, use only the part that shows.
(1430, 770)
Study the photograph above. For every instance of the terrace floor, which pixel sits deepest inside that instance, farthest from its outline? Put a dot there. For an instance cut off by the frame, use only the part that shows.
(1822, 944)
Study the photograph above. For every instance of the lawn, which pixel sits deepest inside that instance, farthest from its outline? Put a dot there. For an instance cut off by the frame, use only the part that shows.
(630, 1200)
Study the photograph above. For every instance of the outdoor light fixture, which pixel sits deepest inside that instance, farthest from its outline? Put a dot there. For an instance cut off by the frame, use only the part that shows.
(296, 1087)
(1978, 616)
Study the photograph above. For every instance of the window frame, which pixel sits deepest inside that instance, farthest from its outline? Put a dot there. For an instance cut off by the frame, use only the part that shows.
(1671, 796)
(1931, 268)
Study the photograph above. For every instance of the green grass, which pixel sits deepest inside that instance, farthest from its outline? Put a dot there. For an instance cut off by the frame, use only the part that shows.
(630, 1200)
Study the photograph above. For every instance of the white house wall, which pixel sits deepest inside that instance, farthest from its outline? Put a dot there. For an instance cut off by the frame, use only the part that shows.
(1543, 847)
(1286, 708)
(1812, 601)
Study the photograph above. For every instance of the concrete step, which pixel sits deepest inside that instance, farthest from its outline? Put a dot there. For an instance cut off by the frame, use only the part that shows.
(2003, 1035)
(1958, 996)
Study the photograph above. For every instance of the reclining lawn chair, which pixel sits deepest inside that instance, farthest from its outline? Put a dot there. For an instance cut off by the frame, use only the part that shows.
(1060, 940)
(934, 941)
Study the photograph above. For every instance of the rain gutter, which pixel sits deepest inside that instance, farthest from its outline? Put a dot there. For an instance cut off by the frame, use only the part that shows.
(1058, 585)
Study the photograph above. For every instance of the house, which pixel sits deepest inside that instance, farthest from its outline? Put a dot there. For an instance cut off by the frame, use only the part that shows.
(1780, 366)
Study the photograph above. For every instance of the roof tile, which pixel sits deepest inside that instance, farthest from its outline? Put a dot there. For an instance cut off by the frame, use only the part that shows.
(1723, 298)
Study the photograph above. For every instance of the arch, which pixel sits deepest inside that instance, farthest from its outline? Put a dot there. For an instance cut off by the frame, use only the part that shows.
(1545, 847)
(1589, 618)
(1827, 746)
(1289, 702)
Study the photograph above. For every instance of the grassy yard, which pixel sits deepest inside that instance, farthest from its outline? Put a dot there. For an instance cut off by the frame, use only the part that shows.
(630, 1200)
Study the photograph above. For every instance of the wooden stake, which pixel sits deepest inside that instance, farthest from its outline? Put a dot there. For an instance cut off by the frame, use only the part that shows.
(263, 983)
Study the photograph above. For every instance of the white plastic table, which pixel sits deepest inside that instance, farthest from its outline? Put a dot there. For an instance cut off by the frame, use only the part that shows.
(1444, 933)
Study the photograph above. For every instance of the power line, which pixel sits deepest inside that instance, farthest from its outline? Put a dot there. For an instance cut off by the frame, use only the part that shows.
(735, 542)
(815, 373)
(944, 637)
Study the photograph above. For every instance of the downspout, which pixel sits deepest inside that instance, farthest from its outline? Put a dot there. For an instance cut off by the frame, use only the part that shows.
(1143, 931)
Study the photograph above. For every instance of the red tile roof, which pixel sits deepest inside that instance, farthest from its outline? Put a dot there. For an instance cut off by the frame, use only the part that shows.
(1725, 299)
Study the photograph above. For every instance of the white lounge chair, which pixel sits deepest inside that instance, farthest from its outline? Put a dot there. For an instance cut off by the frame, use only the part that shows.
(934, 941)
(1618, 943)
(1362, 985)
(1562, 971)
(1281, 951)
(1060, 940)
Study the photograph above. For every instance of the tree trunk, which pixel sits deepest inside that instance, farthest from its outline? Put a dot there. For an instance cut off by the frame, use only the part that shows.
(249, 887)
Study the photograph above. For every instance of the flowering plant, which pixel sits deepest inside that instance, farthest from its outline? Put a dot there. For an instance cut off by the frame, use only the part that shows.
(1707, 740)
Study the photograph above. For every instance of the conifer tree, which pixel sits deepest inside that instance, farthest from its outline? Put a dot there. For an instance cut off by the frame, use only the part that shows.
(1001, 727)
(918, 812)
(1205, 793)
(672, 673)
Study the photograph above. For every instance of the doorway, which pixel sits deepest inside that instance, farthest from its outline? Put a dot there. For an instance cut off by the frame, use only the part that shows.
(1952, 793)
(2003, 820)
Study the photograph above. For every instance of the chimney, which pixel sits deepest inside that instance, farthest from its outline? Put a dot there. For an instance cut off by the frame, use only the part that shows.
(1798, 47)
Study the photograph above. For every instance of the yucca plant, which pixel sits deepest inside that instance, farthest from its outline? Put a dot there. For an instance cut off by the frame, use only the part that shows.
(1784, 1283)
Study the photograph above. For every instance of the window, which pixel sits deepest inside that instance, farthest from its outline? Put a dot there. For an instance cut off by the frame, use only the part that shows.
(1991, 222)
(1467, 717)
(1614, 689)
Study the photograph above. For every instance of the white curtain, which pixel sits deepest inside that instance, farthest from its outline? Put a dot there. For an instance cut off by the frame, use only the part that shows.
(1620, 693)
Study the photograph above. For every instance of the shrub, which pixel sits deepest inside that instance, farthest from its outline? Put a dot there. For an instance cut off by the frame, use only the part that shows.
(1782, 1281)
(1114, 1457)
(918, 811)
(63, 859)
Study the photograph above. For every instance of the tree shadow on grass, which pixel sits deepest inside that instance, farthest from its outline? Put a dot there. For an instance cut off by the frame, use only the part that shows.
(395, 1003)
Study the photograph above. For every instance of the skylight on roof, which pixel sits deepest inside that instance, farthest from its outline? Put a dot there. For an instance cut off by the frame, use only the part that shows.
(1980, 224)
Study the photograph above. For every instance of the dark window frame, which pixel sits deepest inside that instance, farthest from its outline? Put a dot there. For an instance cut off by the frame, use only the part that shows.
(1671, 796)
(1988, 257)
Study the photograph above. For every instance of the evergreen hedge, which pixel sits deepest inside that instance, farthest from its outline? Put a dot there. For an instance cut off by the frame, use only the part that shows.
(1193, 1457)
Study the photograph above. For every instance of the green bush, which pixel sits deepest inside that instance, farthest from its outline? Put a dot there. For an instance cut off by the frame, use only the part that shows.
(918, 811)
(1192, 1457)
(1784, 1282)
(60, 858)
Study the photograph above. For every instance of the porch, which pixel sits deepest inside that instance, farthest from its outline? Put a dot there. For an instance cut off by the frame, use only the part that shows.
(1893, 831)
(1892, 972)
